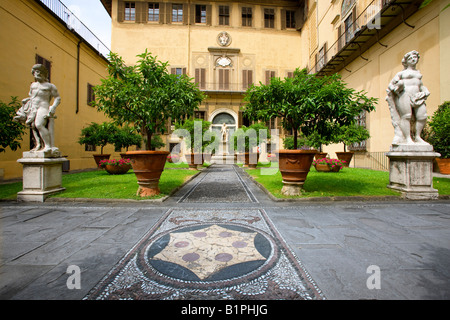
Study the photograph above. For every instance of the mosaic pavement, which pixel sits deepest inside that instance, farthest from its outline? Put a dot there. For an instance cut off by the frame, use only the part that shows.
(200, 254)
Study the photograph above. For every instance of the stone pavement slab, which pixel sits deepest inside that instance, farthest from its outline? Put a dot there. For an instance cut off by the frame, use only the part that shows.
(334, 241)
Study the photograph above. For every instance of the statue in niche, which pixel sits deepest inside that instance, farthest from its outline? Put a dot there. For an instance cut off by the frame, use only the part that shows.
(406, 97)
(37, 113)
(224, 132)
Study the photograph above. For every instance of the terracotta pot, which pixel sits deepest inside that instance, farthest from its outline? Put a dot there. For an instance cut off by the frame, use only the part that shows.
(100, 157)
(322, 167)
(326, 168)
(194, 159)
(250, 158)
(148, 166)
(207, 157)
(295, 164)
(320, 155)
(121, 169)
(444, 165)
(345, 156)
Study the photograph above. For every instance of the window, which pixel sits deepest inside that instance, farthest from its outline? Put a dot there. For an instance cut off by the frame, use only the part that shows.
(89, 147)
(200, 77)
(130, 11)
(47, 64)
(177, 13)
(247, 79)
(200, 13)
(290, 74)
(246, 17)
(178, 71)
(290, 19)
(224, 15)
(199, 115)
(269, 75)
(269, 18)
(224, 79)
(90, 94)
(153, 12)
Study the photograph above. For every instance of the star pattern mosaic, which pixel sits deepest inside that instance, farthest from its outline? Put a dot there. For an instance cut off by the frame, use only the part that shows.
(209, 250)
(209, 254)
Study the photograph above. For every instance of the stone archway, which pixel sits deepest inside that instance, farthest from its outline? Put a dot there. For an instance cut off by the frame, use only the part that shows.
(221, 116)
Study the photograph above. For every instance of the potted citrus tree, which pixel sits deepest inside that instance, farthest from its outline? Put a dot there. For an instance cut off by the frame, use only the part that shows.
(311, 105)
(126, 137)
(439, 137)
(98, 135)
(348, 135)
(197, 137)
(245, 139)
(146, 96)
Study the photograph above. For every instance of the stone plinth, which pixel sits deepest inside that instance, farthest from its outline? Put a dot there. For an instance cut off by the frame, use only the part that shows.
(411, 171)
(42, 175)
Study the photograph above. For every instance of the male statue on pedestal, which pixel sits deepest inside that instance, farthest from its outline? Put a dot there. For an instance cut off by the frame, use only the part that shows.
(406, 97)
(37, 112)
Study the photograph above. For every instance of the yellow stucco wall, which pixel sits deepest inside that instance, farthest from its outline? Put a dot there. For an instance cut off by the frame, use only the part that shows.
(430, 37)
(26, 29)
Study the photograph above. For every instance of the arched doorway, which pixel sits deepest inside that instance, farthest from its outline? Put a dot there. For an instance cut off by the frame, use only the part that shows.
(223, 117)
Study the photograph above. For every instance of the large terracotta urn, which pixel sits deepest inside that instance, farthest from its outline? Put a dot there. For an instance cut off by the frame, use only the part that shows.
(294, 166)
(444, 165)
(148, 166)
(345, 156)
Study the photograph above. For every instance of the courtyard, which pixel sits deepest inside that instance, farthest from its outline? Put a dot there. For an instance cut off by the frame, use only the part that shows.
(259, 248)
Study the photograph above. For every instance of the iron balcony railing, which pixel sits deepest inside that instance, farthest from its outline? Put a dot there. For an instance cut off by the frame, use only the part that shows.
(74, 24)
(371, 24)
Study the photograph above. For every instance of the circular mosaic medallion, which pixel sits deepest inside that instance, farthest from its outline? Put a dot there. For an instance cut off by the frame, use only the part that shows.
(200, 255)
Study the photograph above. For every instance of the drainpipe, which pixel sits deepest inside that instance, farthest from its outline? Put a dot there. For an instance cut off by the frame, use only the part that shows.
(78, 78)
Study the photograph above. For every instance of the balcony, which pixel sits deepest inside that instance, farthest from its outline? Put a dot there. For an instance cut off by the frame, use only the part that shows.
(376, 21)
(59, 10)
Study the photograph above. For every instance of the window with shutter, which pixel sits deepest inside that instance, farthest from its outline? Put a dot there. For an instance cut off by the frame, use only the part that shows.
(247, 79)
(200, 77)
(269, 75)
(269, 18)
(177, 12)
(130, 11)
(224, 15)
(200, 13)
(153, 12)
(247, 16)
(90, 94)
(224, 79)
(47, 64)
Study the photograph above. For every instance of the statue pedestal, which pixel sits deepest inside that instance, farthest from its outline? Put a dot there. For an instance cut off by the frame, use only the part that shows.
(42, 175)
(223, 156)
(411, 171)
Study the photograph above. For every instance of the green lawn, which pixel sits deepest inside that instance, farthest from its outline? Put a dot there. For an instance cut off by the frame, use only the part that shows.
(347, 182)
(100, 184)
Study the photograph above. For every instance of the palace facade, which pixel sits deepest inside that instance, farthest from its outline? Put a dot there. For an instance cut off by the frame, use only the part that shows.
(228, 45)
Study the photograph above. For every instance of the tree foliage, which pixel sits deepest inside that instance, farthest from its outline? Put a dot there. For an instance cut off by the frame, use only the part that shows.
(10, 131)
(145, 94)
(317, 107)
(98, 135)
(438, 130)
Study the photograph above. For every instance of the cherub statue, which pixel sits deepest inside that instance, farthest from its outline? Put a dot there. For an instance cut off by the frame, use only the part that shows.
(406, 97)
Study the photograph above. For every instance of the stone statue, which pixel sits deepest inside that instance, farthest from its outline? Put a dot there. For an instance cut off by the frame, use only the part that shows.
(406, 97)
(37, 112)
(224, 132)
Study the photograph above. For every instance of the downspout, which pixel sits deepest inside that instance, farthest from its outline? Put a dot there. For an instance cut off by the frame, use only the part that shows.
(77, 99)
